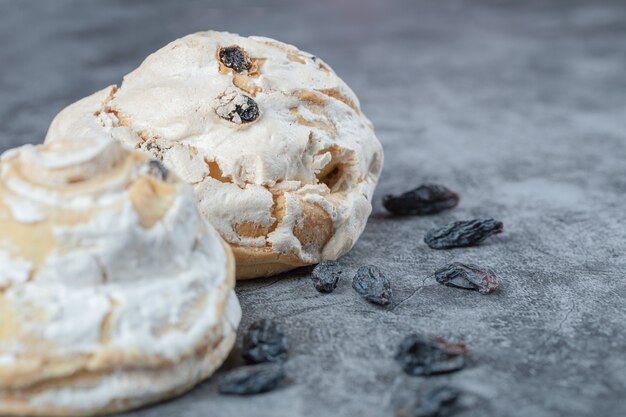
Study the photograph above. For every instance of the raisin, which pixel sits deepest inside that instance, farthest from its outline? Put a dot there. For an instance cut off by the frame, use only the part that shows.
(237, 108)
(433, 402)
(463, 233)
(422, 356)
(326, 275)
(425, 199)
(157, 170)
(265, 341)
(249, 380)
(469, 277)
(249, 111)
(234, 57)
(372, 285)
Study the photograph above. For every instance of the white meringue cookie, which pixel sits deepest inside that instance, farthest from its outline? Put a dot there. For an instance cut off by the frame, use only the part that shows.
(114, 292)
(283, 161)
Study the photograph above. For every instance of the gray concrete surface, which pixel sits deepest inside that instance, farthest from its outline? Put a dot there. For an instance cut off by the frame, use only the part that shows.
(520, 106)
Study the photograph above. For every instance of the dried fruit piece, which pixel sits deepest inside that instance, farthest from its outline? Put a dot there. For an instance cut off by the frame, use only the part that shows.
(469, 277)
(433, 402)
(249, 380)
(234, 57)
(249, 111)
(265, 341)
(157, 170)
(326, 275)
(425, 199)
(422, 356)
(372, 285)
(463, 233)
(237, 108)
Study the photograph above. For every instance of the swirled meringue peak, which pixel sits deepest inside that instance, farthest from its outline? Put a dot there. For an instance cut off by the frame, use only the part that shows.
(114, 291)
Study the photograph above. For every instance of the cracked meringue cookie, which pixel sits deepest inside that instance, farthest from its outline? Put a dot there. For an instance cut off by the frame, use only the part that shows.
(114, 291)
(283, 161)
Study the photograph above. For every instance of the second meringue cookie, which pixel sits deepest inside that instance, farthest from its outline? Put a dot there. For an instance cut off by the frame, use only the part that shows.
(283, 161)
(114, 290)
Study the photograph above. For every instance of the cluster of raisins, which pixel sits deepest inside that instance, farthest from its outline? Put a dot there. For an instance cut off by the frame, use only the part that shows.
(265, 349)
(432, 199)
(419, 355)
(239, 109)
(369, 282)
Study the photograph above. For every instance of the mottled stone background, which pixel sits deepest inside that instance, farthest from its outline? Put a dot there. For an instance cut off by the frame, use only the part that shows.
(518, 105)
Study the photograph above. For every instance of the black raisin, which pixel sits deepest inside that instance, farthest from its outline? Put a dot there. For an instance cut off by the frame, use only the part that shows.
(469, 277)
(157, 170)
(433, 402)
(265, 341)
(326, 275)
(249, 380)
(463, 233)
(249, 111)
(236, 107)
(422, 356)
(234, 57)
(372, 285)
(425, 199)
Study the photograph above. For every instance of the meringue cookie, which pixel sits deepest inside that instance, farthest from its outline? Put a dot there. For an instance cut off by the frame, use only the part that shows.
(115, 292)
(283, 161)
